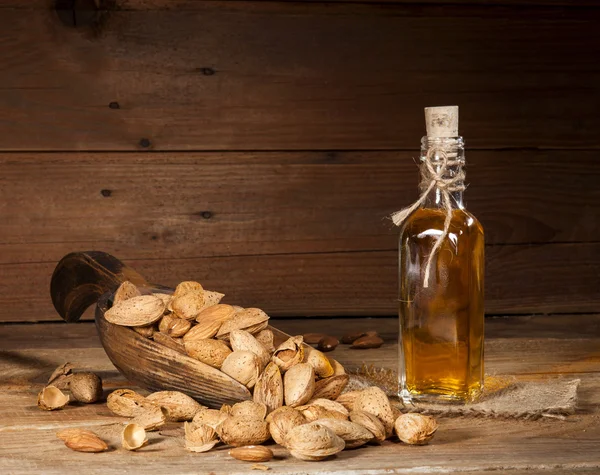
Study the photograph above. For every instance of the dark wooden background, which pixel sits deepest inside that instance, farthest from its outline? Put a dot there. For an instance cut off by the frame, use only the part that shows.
(258, 146)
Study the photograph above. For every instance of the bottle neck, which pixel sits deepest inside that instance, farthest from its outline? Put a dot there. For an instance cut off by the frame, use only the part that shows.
(442, 162)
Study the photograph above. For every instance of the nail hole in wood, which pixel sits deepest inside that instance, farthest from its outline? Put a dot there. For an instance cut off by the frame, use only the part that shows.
(106, 193)
(207, 71)
(144, 143)
(114, 105)
(206, 214)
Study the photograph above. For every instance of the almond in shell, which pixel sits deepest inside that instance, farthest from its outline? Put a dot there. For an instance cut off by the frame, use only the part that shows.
(415, 429)
(126, 291)
(374, 401)
(174, 326)
(150, 416)
(124, 402)
(210, 417)
(347, 399)
(212, 298)
(188, 306)
(209, 322)
(241, 340)
(289, 353)
(86, 387)
(186, 287)
(199, 437)
(322, 409)
(354, 435)
(210, 352)
(269, 388)
(371, 423)
(265, 338)
(136, 312)
(299, 384)
(313, 442)
(332, 387)
(243, 366)
(318, 361)
(282, 420)
(243, 430)
(249, 409)
(338, 369)
(180, 406)
(252, 320)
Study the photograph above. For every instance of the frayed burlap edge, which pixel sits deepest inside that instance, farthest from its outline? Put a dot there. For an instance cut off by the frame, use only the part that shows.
(503, 397)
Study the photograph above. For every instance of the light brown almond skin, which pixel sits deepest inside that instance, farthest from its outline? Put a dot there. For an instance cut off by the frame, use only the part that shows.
(85, 441)
(252, 453)
(299, 384)
(331, 388)
(174, 326)
(188, 306)
(367, 342)
(328, 343)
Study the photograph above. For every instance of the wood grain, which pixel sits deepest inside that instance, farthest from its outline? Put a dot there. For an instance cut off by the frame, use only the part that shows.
(28, 443)
(294, 75)
(519, 279)
(220, 204)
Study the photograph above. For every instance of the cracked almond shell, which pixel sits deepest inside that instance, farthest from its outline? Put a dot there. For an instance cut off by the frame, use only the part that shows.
(289, 353)
(269, 388)
(313, 441)
(124, 402)
(180, 406)
(188, 306)
(51, 398)
(199, 437)
(243, 430)
(371, 423)
(136, 312)
(126, 291)
(133, 437)
(415, 429)
(241, 340)
(210, 417)
(318, 361)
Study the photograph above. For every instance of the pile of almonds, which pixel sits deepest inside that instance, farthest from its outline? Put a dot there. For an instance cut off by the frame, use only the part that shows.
(298, 399)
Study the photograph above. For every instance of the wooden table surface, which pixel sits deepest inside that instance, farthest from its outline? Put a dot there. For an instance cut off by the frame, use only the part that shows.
(528, 347)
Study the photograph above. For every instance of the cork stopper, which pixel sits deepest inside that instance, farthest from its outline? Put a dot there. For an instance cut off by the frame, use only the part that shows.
(441, 121)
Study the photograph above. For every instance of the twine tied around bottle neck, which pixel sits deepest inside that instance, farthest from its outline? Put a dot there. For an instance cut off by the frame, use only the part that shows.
(435, 175)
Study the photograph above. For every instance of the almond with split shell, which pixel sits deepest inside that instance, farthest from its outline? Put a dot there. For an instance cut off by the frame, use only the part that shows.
(174, 326)
(241, 340)
(136, 312)
(374, 401)
(371, 423)
(289, 353)
(249, 409)
(150, 416)
(210, 417)
(133, 437)
(209, 322)
(180, 406)
(146, 332)
(61, 375)
(322, 409)
(243, 366)
(415, 429)
(124, 402)
(347, 399)
(210, 352)
(332, 387)
(126, 291)
(354, 435)
(51, 398)
(199, 437)
(243, 430)
(252, 453)
(252, 320)
(82, 440)
(313, 442)
(338, 369)
(318, 361)
(187, 286)
(265, 338)
(269, 388)
(188, 306)
(282, 420)
(299, 384)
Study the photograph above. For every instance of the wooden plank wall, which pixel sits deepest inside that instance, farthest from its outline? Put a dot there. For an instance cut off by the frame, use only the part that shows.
(258, 146)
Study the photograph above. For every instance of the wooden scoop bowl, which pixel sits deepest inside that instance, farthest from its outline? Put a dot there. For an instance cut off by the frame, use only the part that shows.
(84, 278)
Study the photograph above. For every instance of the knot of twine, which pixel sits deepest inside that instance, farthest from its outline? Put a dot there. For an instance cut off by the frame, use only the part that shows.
(434, 176)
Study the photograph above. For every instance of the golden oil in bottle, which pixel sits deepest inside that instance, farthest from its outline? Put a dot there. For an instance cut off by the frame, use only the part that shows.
(441, 267)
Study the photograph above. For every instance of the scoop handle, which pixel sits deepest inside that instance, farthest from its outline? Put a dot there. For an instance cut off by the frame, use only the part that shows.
(80, 278)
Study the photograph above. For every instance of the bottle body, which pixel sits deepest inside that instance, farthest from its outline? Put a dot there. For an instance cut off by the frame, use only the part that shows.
(441, 322)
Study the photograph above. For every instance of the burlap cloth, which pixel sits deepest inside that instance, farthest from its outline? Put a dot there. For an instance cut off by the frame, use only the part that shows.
(503, 397)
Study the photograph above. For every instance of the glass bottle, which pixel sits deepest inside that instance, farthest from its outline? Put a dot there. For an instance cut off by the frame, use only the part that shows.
(441, 287)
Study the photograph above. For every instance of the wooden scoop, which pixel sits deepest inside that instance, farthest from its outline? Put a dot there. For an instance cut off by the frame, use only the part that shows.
(84, 278)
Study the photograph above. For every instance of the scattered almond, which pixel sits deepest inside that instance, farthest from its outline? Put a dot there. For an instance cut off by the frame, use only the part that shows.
(252, 453)
(313, 338)
(243, 430)
(82, 440)
(350, 338)
(367, 342)
(328, 343)
(415, 429)
(86, 387)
